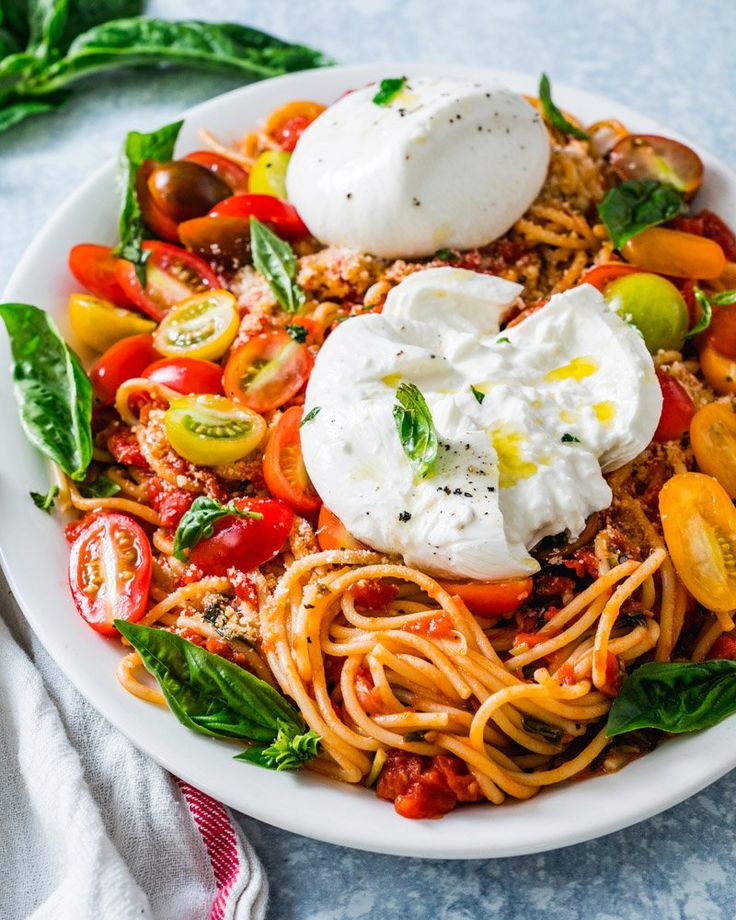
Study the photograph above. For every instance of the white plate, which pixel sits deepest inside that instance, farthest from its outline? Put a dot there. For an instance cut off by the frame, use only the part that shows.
(34, 555)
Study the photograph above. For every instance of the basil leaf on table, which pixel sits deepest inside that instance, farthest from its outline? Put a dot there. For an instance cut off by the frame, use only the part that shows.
(53, 393)
(15, 110)
(416, 429)
(83, 15)
(198, 522)
(275, 260)
(158, 145)
(553, 115)
(636, 205)
(675, 697)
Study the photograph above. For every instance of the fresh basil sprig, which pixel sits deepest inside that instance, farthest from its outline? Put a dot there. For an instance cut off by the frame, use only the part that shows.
(53, 393)
(674, 696)
(553, 115)
(102, 487)
(636, 205)
(158, 145)
(198, 522)
(213, 696)
(706, 304)
(416, 429)
(388, 90)
(275, 260)
(45, 502)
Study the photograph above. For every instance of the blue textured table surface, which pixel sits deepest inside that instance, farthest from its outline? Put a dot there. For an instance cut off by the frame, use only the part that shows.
(671, 59)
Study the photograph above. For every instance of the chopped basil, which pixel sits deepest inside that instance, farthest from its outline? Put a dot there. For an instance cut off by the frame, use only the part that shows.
(636, 205)
(389, 89)
(102, 487)
(198, 522)
(569, 439)
(549, 732)
(275, 260)
(503, 340)
(310, 415)
(446, 255)
(297, 332)
(416, 429)
(479, 394)
(706, 304)
(45, 502)
(553, 115)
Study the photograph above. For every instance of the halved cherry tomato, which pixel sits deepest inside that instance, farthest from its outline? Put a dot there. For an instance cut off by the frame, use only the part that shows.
(154, 218)
(268, 176)
(186, 375)
(283, 465)
(706, 223)
(721, 333)
(670, 252)
(719, 370)
(211, 430)
(604, 135)
(99, 323)
(110, 571)
(267, 371)
(244, 543)
(649, 156)
(677, 409)
(333, 534)
(286, 123)
(713, 439)
(95, 267)
(125, 359)
(172, 275)
(202, 326)
(280, 215)
(699, 523)
(183, 189)
(223, 241)
(601, 275)
(490, 598)
(232, 174)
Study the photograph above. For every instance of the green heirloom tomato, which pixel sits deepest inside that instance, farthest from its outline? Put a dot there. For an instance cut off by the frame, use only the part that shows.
(653, 305)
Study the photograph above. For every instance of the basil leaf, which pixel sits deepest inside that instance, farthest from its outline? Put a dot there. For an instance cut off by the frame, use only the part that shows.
(15, 110)
(158, 145)
(206, 692)
(46, 22)
(446, 255)
(723, 298)
(198, 522)
(83, 15)
(45, 502)
(102, 487)
(569, 438)
(14, 17)
(479, 394)
(553, 115)
(53, 393)
(706, 313)
(297, 332)
(551, 733)
(388, 90)
(288, 751)
(416, 429)
(276, 261)
(636, 205)
(674, 697)
(313, 413)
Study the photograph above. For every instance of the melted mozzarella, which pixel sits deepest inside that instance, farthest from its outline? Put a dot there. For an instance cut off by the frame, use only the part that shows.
(445, 163)
(567, 393)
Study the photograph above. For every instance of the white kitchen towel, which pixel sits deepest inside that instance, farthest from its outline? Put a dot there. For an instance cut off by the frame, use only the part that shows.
(92, 829)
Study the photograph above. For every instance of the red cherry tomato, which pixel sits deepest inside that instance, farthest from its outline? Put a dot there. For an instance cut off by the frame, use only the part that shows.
(187, 375)
(283, 466)
(267, 371)
(244, 543)
(172, 275)
(110, 571)
(123, 360)
(677, 409)
(95, 267)
(601, 275)
(289, 133)
(229, 171)
(154, 218)
(281, 215)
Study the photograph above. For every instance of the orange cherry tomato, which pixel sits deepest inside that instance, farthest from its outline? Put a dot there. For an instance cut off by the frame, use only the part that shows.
(601, 275)
(286, 123)
(721, 333)
(267, 371)
(671, 252)
(649, 156)
(719, 370)
(490, 598)
(604, 135)
(699, 523)
(713, 439)
(333, 534)
(283, 465)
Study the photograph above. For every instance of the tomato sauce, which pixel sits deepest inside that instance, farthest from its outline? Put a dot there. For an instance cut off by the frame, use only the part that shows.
(426, 787)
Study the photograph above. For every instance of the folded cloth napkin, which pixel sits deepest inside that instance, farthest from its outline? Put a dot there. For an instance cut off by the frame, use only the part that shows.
(92, 829)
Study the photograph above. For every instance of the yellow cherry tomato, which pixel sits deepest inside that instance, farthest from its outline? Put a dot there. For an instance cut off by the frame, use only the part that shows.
(212, 430)
(672, 252)
(719, 370)
(100, 324)
(699, 523)
(713, 439)
(202, 326)
(268, 175)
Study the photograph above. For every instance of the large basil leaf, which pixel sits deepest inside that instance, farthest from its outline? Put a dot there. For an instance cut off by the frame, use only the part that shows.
(675, 697)
(46, 23)
(53, 393)
(83, 15)
(275, 260)
(416, 430)
(636, 205)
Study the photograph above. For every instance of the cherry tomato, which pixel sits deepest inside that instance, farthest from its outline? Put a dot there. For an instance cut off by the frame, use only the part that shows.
(699, 523)
(267, 371)
(604, 135)
(286, 123)
(268, 176)
(154, 218)
(601, 275)
(211, 430)
(125, 359)
(653, 305)
(333, 534)
(233, 175)
(184, 189)
(677, 409)
(202, 326)
(719, 370)
(713, 439)
(223, 241)
(280, 215)
(110, 571)
(95, 267)
(186, 375)
(706, 223)
(172, 275)
(649, 156)
(283, 465)
(244, 543)
(721, 333)
(99, 323)
(490, 598)
(671, 252)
